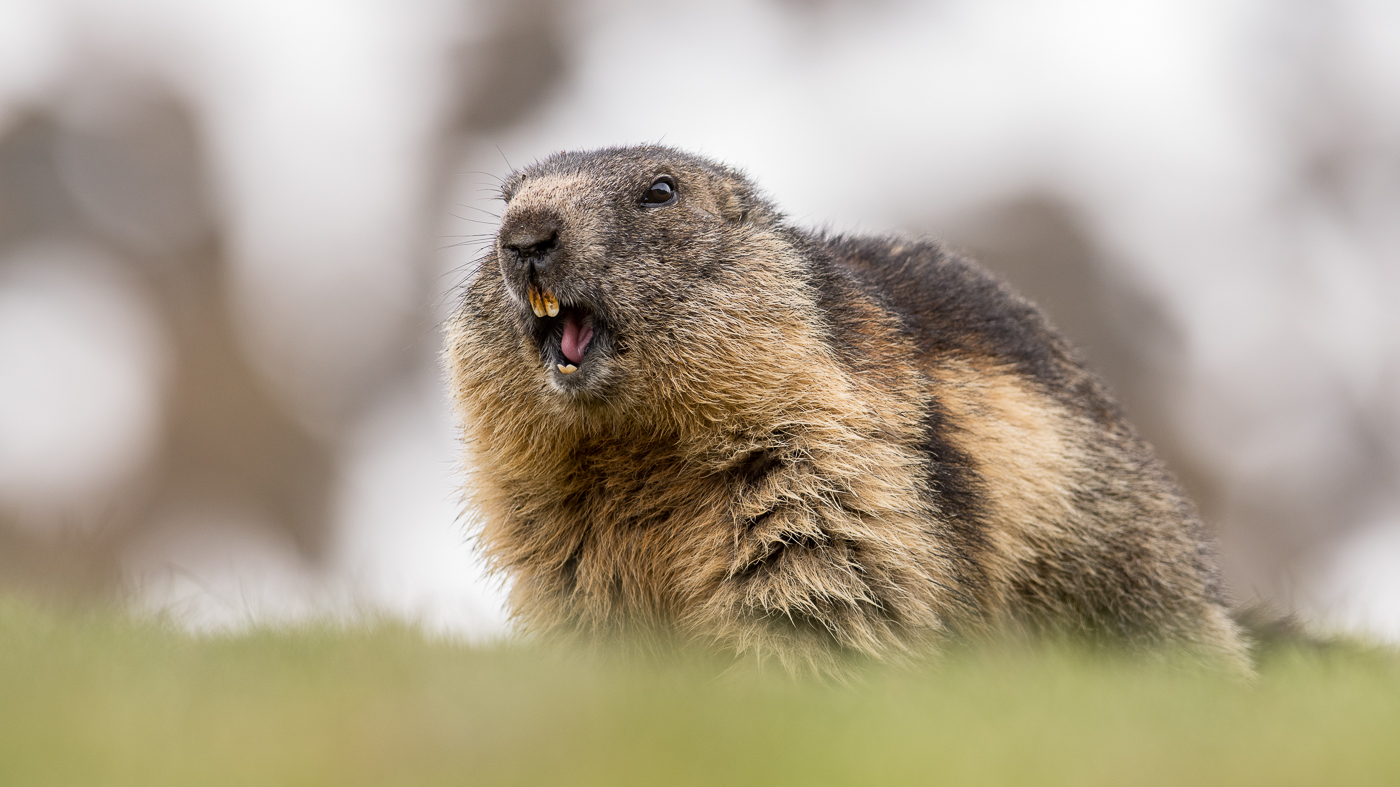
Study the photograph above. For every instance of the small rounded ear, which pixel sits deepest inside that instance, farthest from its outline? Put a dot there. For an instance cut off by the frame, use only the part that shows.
(731, 204)
(739, 205)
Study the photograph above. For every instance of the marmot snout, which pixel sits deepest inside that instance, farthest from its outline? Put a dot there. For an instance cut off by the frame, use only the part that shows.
(688, 420)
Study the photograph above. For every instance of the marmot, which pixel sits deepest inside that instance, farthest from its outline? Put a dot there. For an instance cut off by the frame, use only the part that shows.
(687, 420)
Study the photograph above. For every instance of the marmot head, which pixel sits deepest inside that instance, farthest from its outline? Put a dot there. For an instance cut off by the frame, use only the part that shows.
(639, 276)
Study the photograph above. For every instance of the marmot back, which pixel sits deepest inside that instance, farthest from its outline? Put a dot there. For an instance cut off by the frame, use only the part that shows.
(688, 421)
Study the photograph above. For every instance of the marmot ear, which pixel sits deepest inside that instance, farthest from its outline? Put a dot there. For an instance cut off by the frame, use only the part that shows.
(738, 205)
(731, 205)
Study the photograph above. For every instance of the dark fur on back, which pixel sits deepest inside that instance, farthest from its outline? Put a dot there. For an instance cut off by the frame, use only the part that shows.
(793, 446)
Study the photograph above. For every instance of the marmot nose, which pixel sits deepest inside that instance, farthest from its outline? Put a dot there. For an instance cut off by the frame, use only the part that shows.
(532, 242)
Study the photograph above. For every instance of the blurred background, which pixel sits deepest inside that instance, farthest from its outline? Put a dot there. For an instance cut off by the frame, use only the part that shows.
(231, 229)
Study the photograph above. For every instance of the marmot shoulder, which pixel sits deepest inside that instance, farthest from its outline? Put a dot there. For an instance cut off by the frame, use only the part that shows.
(687, 420)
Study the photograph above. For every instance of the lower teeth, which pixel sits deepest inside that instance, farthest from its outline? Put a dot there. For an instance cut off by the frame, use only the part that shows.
(567, 368)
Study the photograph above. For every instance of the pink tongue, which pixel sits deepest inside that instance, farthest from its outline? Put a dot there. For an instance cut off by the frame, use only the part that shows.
(576, 337)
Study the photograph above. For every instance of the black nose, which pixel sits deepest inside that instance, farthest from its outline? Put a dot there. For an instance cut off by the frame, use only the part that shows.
(532, 241)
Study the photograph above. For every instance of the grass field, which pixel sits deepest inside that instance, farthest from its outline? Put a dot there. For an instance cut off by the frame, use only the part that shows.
(95, 698)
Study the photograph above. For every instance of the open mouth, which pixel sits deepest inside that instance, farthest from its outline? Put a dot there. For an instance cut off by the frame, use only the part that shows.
(565, 332)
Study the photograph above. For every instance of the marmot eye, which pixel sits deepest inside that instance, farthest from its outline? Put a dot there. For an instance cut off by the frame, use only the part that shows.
(661, 192)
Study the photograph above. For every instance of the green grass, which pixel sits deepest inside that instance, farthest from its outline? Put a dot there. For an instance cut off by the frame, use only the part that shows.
(95, 698)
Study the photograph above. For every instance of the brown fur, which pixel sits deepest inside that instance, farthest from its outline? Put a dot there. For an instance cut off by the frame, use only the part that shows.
(795, 447)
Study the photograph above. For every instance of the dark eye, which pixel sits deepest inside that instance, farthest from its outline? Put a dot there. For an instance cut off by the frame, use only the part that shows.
(661, 192)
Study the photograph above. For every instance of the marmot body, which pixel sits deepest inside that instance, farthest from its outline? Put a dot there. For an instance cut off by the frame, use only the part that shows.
(687, 419)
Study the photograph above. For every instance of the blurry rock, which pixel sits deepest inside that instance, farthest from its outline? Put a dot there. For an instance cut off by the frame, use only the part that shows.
(131, 159)
(221, 442)
(227, 441)
(32, 201)
(511, 71)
